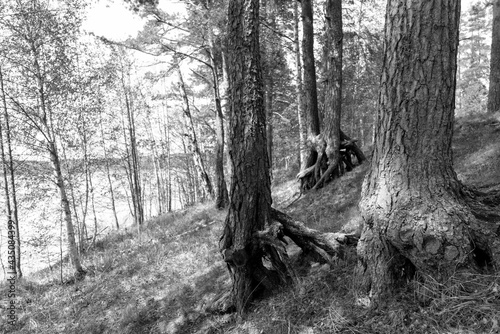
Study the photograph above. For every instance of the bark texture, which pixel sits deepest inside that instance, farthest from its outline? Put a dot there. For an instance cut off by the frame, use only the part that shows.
(250, 192)
(244, 243)
(310, 99)
(494, 90)
(333, 93)
(418, 216)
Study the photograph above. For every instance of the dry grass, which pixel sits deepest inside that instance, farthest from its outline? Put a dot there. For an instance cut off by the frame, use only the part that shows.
(161, 280)
(465, 301)
(133, 282)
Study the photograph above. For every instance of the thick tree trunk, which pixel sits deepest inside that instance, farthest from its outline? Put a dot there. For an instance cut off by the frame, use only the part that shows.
(309, 89)
(310, 99)
(333, 94)
(250, 206)
(72, 247)
(193, 141)
(415, 209)
(494, 90)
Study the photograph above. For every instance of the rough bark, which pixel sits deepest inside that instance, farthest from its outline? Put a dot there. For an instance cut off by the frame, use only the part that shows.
(310, 99)
(309, 90)
(333, 92)
(494, 90)
(250, 193)
(418, 216)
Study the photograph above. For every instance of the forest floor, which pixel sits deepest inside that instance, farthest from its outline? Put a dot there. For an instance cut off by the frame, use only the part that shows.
(162, 280)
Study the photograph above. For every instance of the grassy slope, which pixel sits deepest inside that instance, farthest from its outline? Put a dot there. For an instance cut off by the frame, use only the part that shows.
(160, 282)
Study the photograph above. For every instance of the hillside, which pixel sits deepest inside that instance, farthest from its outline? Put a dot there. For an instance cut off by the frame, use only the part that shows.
(163, 280)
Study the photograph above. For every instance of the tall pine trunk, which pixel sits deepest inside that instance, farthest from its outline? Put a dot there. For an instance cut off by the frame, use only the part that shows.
(249, 210)
(333, 91)
(310, 98)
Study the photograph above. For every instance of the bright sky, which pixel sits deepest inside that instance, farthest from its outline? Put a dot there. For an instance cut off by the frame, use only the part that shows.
(112, 19)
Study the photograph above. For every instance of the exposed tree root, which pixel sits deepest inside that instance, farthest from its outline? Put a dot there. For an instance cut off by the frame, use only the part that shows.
(462, 234)
(320, 170)
(274, 269)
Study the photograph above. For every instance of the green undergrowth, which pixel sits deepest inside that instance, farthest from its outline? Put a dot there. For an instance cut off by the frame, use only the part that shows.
(162, 279)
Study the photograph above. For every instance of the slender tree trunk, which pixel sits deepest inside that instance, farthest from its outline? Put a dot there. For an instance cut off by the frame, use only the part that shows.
(193, 141)
(298, 88)
(8, 207)
(222, 197)
(108, 176)
(132, 155)
(135, 163)
(85, 206)
(159, 184)
(72, 247)
(494, 90)
(157, 169)
(81, 227)
(169, 163)
(92, 204)
(418, 216)
(14, 208)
